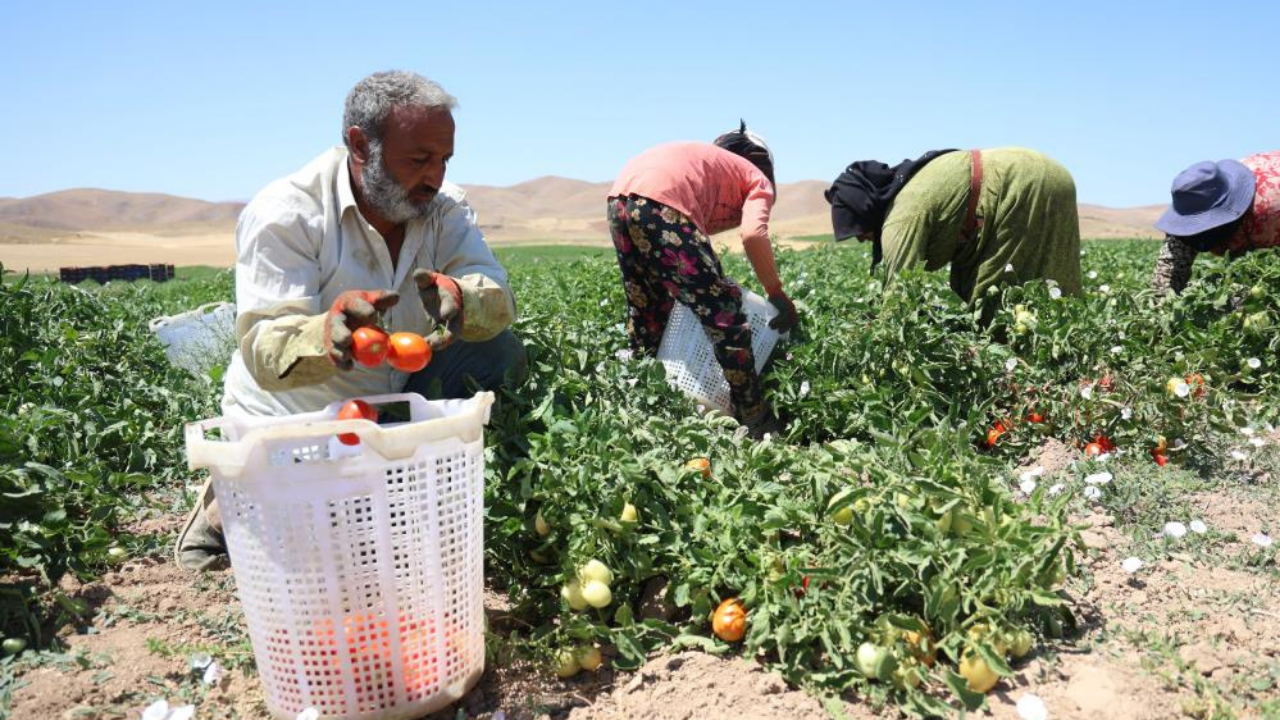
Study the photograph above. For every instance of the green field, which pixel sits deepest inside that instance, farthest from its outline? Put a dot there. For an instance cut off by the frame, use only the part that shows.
(886, 527)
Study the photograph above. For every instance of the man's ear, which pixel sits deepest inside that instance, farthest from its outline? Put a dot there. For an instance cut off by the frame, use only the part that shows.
(358, 144)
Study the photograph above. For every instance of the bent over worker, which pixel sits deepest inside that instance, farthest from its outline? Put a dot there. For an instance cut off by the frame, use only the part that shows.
(662, 210)
(1000, 216)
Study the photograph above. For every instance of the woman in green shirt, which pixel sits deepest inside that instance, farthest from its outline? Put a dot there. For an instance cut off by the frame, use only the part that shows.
(999, 217)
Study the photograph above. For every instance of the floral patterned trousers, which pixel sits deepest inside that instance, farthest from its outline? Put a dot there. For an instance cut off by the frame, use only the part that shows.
(664, 258)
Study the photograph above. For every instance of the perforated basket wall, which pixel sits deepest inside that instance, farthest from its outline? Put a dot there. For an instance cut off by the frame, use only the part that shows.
(689, 358)
(360, 570)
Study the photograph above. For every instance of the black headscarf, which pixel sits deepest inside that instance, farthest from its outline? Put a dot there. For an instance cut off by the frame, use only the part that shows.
(861, 196)
(744, 143)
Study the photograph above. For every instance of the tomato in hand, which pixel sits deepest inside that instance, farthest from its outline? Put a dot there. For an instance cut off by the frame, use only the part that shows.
(408, 352)
(355, 410)
(369, 346)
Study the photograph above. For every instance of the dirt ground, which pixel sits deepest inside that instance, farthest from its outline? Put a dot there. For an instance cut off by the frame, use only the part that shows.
(1192, 634)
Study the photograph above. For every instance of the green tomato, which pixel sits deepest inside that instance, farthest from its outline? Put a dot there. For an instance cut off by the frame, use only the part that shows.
(572, 594)
(13, 646)
(843, 516)
(629, 514)
(540, 525)
(944, 522)
(589, 658)
(566, 664)
(117, 554)
(1257, 292)
(597, 594)
(875, 661)
(1020, 642)
(597, 571)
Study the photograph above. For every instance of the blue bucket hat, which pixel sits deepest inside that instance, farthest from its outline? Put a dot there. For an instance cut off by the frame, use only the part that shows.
(1207, 195)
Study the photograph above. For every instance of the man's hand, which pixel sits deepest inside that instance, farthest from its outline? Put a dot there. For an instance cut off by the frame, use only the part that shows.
(351, 310)
(787, 317)
(442, 299)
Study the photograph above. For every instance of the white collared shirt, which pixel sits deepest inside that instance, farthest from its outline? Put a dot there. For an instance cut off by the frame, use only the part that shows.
(302, 241)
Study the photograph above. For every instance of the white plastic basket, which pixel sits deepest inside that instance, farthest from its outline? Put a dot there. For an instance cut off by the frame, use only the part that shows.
(199, 339)
(360, 567)
(689, 358)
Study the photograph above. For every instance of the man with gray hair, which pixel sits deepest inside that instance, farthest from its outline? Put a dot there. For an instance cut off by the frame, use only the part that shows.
(346, 239)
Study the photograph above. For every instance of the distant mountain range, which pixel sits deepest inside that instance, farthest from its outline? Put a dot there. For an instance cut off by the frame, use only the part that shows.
(547, 208)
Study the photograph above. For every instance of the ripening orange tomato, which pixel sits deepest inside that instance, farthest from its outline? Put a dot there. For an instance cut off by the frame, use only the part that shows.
(369, 346)
(1034, 417)
(409, 352)
(730, 620)
(1093, 449)
(702, 465)
(355, 410)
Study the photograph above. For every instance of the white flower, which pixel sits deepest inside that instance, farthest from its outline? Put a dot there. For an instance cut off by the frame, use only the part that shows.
(308, 714)
(199, 661)
(1101, 478)
(1093, 274)
(1116, 349)
(624, 354)
(1092, 492)
(1055, 293)
(1237, 455)
(1010, 364)
(1254, 363)
(1198, 527)
(804, 388)
(1008, 267)
(214, 674)
(1126, 413)
(1104, 289)
(1257, 442)
(1031, 707)
(160, 710)
(604, 303)
(1132, 565)
(1086, 391)
(1261, 540)
(1174, 529)
(1057, 489)
(1247, 431)
(1028, 485)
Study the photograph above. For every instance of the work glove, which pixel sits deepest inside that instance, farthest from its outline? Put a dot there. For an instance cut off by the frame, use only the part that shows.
(350, 311)
(442, 299)
(787, 317)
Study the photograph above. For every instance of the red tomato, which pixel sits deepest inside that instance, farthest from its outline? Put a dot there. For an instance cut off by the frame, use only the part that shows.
(1105, 383)
(355, 410)
(1034, 417)
(1093, 449)
(369, 346)
(1196, 381)
(1105, 443)
(1160, 458)
(993, 435)
(409, 352)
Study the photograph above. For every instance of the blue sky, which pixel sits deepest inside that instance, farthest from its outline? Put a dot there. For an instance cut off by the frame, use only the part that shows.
(214, 100)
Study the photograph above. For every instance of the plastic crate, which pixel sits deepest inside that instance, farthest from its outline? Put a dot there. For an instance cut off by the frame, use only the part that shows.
(199, 339)
(360, 567)
(689, 357)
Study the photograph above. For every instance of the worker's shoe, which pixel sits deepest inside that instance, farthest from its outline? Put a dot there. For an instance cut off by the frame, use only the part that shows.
(200, 544)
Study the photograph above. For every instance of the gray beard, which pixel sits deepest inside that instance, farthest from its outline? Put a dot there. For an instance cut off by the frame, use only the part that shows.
(385, 195)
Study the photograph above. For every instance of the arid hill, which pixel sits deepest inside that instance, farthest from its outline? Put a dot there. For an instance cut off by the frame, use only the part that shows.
(93, 227)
